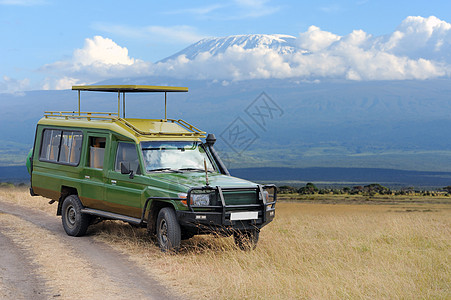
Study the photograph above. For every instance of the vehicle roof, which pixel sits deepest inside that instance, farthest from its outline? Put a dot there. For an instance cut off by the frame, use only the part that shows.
(129, 88)
(138, 130)
(135, 129)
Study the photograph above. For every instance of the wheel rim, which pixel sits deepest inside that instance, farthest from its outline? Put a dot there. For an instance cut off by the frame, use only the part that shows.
(163, 232)
(71, 216)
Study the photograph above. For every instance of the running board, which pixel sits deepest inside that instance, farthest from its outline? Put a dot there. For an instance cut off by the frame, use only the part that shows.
(109, 215)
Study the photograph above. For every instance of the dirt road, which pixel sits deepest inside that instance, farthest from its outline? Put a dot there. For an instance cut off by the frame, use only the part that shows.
(39, 261)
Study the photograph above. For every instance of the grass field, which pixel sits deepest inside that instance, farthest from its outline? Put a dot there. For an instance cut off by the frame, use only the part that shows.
(396, 249)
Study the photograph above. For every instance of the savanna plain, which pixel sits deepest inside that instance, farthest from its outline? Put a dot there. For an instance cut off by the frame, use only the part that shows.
(396, 248)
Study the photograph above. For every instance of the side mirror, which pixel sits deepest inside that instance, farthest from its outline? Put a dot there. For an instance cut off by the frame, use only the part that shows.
(125, 169)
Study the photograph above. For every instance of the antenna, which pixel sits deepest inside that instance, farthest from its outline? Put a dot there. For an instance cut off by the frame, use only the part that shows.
(206, 172)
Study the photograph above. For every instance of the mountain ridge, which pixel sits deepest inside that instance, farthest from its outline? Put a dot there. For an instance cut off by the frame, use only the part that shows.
(389, 124)
(281, 43)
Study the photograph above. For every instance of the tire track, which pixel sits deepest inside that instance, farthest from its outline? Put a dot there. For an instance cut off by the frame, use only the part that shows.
(74, 267)
(18, 276)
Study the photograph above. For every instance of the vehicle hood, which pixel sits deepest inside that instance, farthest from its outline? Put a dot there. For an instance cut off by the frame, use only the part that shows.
(197, 179)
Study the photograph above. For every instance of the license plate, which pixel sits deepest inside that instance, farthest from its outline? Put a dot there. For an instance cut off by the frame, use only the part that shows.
(244, 215)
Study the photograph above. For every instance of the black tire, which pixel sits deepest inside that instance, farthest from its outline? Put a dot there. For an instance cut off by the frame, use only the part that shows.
(168, 230)
(75, 223)
(246, 239)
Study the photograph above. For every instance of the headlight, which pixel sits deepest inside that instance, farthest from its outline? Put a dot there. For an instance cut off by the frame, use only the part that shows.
(265, 194)
(200, 199)
(196, 199)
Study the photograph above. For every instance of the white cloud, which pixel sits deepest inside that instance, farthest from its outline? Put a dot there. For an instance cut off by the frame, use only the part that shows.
(61, 83)
(99, 59)
(418, 49)
(101, 50)
(13, 86)
(418, 37)
(315, 39)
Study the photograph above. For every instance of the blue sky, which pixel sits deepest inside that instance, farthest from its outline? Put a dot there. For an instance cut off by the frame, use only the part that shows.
(37, 33)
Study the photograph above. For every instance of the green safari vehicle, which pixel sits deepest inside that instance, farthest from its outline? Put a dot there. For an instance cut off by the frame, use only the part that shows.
(154, 173)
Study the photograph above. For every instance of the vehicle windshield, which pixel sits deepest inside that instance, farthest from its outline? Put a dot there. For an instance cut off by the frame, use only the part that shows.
(165, 156)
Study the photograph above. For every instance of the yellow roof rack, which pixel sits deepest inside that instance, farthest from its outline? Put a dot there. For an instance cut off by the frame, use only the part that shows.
(122, 89)
(129, 88)
(139, 127)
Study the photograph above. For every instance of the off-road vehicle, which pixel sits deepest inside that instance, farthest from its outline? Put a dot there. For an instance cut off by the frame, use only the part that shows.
(154, 173)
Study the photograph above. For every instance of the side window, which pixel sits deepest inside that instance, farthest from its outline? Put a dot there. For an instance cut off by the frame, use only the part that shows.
(96, 152)
(70, 147)
(61, 146)
(126, 152)
(51, 139)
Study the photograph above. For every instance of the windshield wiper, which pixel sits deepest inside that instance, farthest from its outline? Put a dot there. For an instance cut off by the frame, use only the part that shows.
(164, 169)
(193, 169)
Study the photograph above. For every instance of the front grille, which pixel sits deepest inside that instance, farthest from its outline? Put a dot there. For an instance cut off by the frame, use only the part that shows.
(240, 197)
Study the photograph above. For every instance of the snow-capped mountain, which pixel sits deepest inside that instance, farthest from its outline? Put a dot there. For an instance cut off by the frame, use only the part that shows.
(281, 43)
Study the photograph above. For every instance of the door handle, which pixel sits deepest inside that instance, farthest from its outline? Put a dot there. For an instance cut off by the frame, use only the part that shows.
(87, 177)
(113, 181)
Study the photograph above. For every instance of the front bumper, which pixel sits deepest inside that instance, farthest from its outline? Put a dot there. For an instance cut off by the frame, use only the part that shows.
(230, 217)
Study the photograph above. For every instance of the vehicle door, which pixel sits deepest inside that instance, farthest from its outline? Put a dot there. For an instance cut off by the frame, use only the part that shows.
(92, 191)
(125, 191)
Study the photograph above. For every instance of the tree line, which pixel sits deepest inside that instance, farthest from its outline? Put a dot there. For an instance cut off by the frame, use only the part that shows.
(367, 190)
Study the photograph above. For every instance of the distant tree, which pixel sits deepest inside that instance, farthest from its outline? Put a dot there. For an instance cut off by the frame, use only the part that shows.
(337, 191)
(447, 189)
(356, 190)
(286, 189)
(323, 191)
(308, 189)
(376, 188)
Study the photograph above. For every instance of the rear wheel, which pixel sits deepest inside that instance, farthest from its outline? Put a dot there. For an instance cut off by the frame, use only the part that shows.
(246, 239)
(75, 223)
(168, 230)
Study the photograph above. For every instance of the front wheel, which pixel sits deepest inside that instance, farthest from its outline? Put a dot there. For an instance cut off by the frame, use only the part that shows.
(75, 222)
(246, 239)
(168, 230)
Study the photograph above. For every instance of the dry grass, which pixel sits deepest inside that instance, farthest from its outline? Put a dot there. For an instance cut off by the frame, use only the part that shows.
(21, 196)
(364, 199)
(310, 251)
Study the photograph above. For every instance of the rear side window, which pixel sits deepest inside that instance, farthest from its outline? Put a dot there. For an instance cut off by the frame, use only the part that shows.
(70, 147)
(61, 146)
(50, 145)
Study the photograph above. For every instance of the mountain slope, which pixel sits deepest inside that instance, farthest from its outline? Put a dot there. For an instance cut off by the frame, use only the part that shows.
(283, 44)
(384, 124)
